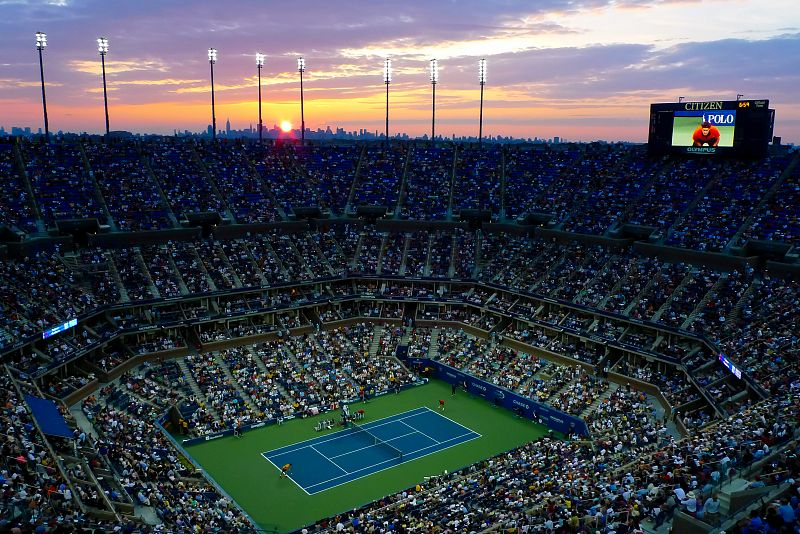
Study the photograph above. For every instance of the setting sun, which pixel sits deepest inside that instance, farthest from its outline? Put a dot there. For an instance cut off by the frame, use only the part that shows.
(286, 126)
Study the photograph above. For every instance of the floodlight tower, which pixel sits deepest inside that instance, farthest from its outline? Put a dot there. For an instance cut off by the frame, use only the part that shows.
(102, 47)
(41, 43)
(212, 58)
(482, 82)
(301, 68)
(387, 79)
(434, 81)
(260, 64)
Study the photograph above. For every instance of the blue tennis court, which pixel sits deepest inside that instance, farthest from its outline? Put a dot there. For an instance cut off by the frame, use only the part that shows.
(334, 459)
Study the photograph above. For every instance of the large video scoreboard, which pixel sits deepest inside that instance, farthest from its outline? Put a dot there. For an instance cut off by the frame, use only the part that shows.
(733, 128)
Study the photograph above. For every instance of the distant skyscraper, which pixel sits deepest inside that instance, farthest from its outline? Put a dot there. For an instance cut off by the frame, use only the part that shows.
(228, 127)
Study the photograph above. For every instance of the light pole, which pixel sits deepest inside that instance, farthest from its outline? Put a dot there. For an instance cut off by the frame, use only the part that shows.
(259, 64)
(41, 42)
(434, 80)
(482, 81)
(212, 58)
(102, 47)
(301, 68)
(387, 79)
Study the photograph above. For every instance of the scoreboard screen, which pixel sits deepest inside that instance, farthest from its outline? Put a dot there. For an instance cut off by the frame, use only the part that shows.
(740, 127)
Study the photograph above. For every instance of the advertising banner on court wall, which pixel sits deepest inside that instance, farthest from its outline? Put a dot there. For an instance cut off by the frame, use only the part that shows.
(525, 407)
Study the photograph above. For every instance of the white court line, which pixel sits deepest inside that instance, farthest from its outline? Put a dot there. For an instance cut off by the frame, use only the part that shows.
(287, 476)
(346, 472)
(342, 433)
(474, 434)
(419, 432)
(455, 422)
(375, 444)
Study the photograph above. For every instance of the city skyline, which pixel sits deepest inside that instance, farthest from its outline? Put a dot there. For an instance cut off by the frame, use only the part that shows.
(277, 132)
(586, 73)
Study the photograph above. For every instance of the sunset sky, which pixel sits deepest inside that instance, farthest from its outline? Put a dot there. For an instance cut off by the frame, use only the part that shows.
(583, 70)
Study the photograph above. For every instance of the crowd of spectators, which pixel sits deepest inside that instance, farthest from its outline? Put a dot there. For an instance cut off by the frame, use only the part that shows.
(478, 175)
(735, 191)
(591, 188)
(379, 176)
(428, 187)
(131, 195)
(60, 181)
(183, 179)
(572, 486)
(231, 172)
(777, 219)
(149, 469)
(16, 206)
(38, 292)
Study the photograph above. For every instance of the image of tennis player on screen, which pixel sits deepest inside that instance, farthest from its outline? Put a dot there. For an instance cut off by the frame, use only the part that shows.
(706, 135)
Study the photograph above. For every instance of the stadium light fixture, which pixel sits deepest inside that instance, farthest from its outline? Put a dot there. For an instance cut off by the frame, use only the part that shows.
(301, 68)
(102, 47)
(482, 82)
(212, 58)
(259, 65)
(387, 79)
(739, 97)
(41, 43)
(681, 99)
(434, 72)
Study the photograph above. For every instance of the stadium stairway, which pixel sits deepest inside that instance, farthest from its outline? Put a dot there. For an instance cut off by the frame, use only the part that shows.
(251, 407)
(635, 301)
(433, 346)
(277, 383)
(689, 208)
(181, 283)
(758, 209)
(212, 181)
(406, 337)
(237, 282)
(454, 252)
(614, 291)
(381, 252)
(563, 389)
(375, 344)
(588, 288)
(321, 255)
(21, 169)
(296, 361)
(404, 256)
(677, 291)
(112, 269)
(198, 394)
(256, 177)
(259, 273)
(164, 199)
(428, 254)
(705, 300)
(141, 265)
(533, 288)
(612, 387)
(290, 243)
(97, 190)
(201, 266)
(81, 421)
(736, 312)
(354, 182)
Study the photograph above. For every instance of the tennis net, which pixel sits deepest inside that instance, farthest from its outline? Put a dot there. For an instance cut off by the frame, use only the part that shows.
(378, 441)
